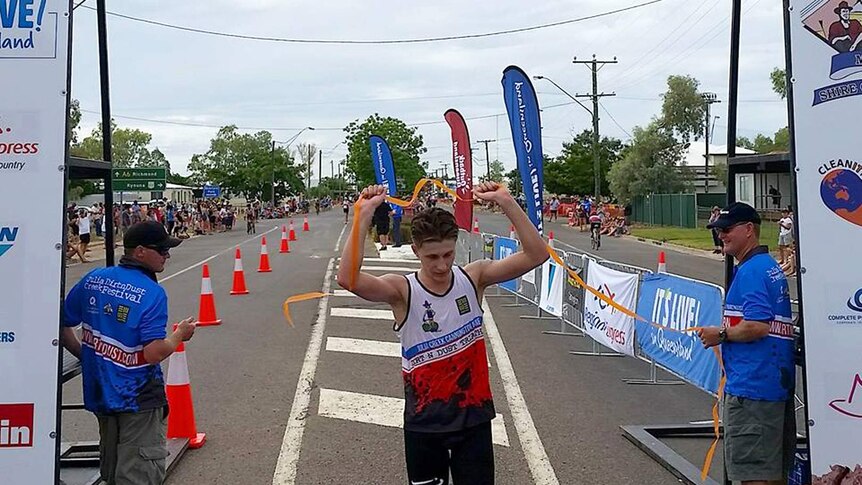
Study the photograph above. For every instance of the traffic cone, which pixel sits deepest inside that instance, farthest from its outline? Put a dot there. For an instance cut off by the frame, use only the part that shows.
(475, 225)
(551, 239)
(512, 234)
(207, 310)
(662, 264)
(264, 258)
(181, 419)
(292, 232)
(238, 276)
(305, 224)
(285, 247)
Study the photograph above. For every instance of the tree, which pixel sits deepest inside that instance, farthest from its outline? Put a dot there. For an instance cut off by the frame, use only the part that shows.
(779, 82)
(573, 171)
(496, 169)
(406, 146)
(683, 109)
(246, 165)
(129, 147)
(780, 142)
(648, 165)
(74, 120)
(307, 154)
(514, 178)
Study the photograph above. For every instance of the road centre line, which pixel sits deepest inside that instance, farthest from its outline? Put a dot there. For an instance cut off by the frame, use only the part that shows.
(534, 452)
(227, 250)
(288, 456)
(382, 411)
(366, 313)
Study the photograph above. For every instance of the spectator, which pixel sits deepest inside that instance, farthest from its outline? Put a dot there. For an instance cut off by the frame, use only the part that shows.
(785, 235)
(757, 345)
(345, 206)
(84, 224)
(97, 213)
(555, 207)
(122, 378)
(716, 211)
(380, 219)
(776, 196)
(397, 214)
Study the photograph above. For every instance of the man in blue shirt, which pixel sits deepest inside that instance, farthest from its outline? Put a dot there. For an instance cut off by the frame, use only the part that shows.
(397, 214)
(123, 314)
(757, 345)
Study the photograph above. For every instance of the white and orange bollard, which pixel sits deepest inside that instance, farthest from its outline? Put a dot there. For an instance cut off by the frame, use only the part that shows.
(238, 276)
(285, 247)
(178, 388)
(475, 225)
(662, 263)
(305, 227)
(292, 232)
(263, 267)
(207, 309)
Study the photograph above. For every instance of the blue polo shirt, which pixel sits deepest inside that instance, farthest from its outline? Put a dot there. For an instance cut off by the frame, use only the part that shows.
(763, 369)
(121, 309)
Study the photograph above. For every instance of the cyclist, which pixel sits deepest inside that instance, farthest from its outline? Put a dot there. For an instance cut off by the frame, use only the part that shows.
(596, 228)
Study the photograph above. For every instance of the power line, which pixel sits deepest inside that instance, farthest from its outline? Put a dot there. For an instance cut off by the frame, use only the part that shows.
(381, 42)
(615, 121)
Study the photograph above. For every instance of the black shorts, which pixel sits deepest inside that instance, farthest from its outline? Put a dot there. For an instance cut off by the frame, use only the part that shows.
(85, 238)
(382, 228)
(471, 459)
(595, 225)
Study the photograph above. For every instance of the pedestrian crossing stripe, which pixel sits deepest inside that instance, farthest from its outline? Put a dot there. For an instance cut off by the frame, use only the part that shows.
(366, 313)
(389, 260)
(382, 411)
(366, 347)
(391, 269)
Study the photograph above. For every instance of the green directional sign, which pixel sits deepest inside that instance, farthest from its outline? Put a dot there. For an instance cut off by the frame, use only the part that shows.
(139, 179)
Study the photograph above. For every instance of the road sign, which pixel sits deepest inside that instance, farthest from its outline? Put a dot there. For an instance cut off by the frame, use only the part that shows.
(212, 191)
(143, 179)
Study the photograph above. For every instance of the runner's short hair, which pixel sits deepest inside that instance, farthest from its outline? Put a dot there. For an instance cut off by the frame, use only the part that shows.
(433, 225)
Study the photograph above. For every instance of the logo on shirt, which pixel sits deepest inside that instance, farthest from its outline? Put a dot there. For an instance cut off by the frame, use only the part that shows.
(840, 28)
(8, 235)
(428, 323)
(122, 313)
(16, 425)
(108, 309)
(463, 305)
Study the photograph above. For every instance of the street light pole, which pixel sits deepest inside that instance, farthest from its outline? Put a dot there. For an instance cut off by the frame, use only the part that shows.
(709, 99)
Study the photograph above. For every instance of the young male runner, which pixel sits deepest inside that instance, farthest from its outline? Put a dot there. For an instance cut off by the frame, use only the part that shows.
(438, 316)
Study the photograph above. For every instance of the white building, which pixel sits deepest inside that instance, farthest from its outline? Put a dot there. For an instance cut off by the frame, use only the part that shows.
(702, 172)
(175, 193)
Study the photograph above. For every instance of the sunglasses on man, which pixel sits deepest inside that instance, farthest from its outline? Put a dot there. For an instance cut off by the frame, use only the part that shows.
(161, 250)
(726, 230)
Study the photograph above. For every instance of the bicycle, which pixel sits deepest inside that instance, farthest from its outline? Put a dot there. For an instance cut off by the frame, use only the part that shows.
(595, 238)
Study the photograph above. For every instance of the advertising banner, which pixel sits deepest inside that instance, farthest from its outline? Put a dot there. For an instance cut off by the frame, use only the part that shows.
(523, 109)
(605, 324)
(462, 158)
(384, 169)
(678, 303)
(826, 53)
(503, 248)
(551, 288)
(34, 50)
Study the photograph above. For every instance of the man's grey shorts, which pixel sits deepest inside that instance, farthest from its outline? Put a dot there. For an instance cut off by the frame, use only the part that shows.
(759, 438)
(785, 240)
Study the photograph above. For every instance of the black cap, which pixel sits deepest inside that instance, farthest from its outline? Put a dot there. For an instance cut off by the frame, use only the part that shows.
(735, 213)
(149, 234)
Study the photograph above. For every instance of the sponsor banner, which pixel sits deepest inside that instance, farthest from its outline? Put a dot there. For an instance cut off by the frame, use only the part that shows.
(384, 170)
(604, 323)
(462, 158)
(34, 41)
(551, 290)
(676, 304)
(503, 248)
(523, 109)
(826, 52)
(530, 276)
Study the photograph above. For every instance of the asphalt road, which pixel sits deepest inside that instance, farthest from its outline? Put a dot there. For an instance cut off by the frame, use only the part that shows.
(245, 373)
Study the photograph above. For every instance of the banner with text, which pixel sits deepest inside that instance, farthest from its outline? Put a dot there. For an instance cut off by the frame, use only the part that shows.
(825, 39)
(503, 248)
(523, 109)
(384, 169)
(551, 290)
(462, 158)
(678, 303)
(34, 42)
(604, 323)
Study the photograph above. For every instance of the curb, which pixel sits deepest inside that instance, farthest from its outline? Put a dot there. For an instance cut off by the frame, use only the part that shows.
(677, 247)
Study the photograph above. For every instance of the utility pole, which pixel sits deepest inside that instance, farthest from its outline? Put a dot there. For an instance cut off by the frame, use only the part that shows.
(319, 167)
(487, 158)
(272, 185)
(594, 65)
(308, 157)
(709, 99)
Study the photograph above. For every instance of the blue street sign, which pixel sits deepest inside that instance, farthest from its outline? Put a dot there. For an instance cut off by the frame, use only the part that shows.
(212, 191)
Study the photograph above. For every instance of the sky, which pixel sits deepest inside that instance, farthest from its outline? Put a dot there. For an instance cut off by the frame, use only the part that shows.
(165, 80)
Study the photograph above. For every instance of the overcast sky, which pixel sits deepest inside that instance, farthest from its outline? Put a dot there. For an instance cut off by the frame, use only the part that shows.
(162, 74)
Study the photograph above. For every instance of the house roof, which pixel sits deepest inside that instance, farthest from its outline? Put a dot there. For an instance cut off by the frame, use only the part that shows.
(694, 156)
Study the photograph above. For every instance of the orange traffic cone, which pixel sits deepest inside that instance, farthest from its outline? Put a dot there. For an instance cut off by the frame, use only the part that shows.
(305, 224)
(475, 225)
(512, 234)
(285, 247)
(238, 276)
(662, 264)
(264, 258)
(181, 419)
(292, 232)
(207, 310)
(551, 239)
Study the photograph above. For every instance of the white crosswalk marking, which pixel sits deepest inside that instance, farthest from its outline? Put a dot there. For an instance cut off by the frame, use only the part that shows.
(390, 260)
(343, 293)
(391, 269)
(382, 411)
(362, 313)
(367, 347)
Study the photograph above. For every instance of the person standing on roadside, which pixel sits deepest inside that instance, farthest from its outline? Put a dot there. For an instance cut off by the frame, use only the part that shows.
(785, 236)
(757, 345)
(123, 341)
(84, 224)
(397, 214)
(716, 242)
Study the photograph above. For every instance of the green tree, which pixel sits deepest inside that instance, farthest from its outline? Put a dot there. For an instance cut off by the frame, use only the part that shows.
(648, 165)
(497, 172)
(404, 142)
(74, 120)
(514, 182)
(246, 165)
(779, 142)
(683, 109)
(573, 171)
(129, 147)
(778, 77)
